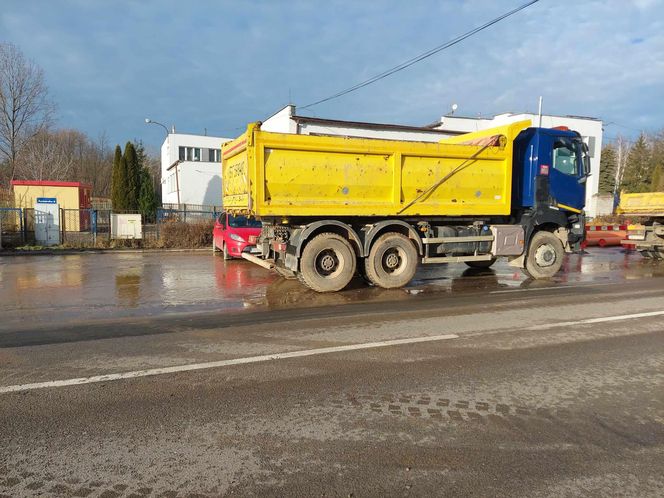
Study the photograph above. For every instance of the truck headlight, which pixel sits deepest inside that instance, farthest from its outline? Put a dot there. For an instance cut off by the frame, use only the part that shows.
(236, 237)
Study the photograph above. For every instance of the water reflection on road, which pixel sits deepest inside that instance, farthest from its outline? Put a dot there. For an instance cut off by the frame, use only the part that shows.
(73, 288)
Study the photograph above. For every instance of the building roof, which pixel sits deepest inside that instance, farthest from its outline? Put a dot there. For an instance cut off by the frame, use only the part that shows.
(364, 125)
(504, 114)
(49, 183)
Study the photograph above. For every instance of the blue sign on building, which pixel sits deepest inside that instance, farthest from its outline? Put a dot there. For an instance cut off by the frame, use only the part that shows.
(47, 200)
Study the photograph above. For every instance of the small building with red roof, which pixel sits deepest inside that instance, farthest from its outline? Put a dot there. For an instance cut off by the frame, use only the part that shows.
(69, 196)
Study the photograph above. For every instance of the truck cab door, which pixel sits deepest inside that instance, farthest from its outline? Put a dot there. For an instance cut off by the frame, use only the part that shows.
(567, 175)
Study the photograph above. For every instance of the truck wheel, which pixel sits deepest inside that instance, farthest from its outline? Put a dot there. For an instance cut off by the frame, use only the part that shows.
(392, 261)
(545, 255)
(327, 263)
(481, 264)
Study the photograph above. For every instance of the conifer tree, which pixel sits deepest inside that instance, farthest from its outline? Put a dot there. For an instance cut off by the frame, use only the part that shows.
(607, 170)
(133, 177)
(115, 178)
(638, 170)
(657, 183)
(147, 201)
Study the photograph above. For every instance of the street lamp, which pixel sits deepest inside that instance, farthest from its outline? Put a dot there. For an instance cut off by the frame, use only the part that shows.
(151, 121)
(168, 145)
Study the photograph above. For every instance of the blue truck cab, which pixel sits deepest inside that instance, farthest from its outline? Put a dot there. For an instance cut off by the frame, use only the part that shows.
(551, 167)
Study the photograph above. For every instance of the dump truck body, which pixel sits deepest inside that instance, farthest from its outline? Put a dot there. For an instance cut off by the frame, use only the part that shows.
(328, 203)
(648, 238)
(272, 174)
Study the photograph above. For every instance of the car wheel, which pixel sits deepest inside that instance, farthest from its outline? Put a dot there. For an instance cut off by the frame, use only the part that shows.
(227, 256)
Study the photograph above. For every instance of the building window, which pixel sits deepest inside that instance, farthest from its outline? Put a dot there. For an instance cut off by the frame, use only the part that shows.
(189, 154)
(215, 155)
(171, 183)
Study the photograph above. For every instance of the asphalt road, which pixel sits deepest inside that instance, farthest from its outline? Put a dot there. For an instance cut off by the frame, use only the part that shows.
(487, 389)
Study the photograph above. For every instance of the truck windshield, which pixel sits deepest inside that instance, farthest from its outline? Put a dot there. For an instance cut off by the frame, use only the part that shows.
(243, 222)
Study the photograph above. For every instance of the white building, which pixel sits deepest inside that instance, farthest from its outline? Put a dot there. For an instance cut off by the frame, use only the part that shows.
(191, 169)
(287, 121)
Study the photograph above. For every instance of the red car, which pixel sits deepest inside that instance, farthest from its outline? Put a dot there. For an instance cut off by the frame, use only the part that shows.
(234, 235)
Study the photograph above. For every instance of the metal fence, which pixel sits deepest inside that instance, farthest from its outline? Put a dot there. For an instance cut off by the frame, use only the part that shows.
(90, 227)
(185, 215)
(11, 227)
(192, 207)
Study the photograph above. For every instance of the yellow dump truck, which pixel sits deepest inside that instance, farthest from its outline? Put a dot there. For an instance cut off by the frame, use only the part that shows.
(335, 206)
(647, 207)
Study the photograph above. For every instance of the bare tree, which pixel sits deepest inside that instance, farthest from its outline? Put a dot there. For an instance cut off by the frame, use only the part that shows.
(622, 149)
(25, 106)
(45, 157)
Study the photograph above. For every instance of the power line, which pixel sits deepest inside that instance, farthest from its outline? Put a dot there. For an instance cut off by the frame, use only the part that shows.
(422, 56)
(623, 126)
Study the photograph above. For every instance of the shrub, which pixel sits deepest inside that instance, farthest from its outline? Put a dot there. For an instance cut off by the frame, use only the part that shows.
(174, 234)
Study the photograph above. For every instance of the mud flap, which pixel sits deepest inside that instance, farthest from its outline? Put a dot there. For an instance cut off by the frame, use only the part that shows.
(518, 262)
(563, 234)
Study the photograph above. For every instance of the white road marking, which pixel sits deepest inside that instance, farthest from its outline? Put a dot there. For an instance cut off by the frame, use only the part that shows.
(221, 363)
(603, 319)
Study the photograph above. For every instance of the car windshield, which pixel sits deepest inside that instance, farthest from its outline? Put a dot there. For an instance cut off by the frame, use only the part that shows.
(243, 222)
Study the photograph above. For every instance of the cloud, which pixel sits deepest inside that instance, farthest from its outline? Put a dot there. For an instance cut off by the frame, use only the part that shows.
(219, 65)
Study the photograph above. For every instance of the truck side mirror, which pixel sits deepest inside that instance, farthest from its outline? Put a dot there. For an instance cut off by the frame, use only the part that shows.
(586, 159)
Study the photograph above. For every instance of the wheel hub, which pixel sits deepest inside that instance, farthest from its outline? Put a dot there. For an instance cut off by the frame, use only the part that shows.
(545, 255)
(327, 262)
(392, 261)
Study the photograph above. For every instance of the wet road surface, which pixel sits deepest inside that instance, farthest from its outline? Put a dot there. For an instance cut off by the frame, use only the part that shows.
(521, 388)
(76, 288)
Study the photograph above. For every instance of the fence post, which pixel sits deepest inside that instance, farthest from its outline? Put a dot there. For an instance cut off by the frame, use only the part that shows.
(20, 224)
(62, 223)
(93, 225)
(24, 225)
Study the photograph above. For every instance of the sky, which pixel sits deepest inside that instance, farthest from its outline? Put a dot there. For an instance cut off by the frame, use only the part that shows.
(217, 65)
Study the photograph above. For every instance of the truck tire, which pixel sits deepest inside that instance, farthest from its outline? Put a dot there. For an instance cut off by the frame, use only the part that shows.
(545, 255)
(327, 263)
(481, 264)
(392, 261)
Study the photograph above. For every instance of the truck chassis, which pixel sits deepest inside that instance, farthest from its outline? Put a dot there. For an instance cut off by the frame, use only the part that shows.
(326, 254)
